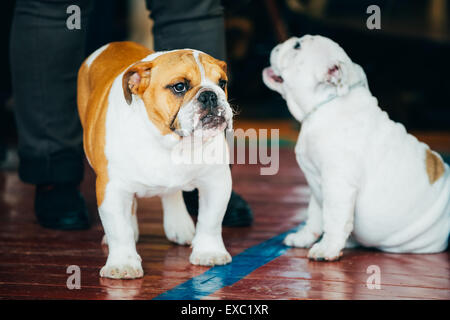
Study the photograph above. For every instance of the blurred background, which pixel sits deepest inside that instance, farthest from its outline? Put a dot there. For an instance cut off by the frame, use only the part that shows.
(406, 61)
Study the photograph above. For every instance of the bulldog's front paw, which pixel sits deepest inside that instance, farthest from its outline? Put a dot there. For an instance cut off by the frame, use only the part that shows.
(181, 232)
(325, 250)
(209, 258)
(125, 268)
(301, 239)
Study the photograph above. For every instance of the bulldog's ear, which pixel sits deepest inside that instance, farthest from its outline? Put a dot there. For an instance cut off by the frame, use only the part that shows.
(222, 65)
(136, 79)
(337, 76)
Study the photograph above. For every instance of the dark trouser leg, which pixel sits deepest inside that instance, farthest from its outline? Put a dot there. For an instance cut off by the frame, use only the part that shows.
(194, 24)
(45, 57)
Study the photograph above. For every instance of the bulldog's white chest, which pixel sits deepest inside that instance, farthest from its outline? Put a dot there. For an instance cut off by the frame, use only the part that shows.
(141, 158)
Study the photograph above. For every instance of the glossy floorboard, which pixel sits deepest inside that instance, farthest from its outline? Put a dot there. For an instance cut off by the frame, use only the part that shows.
(33, 260)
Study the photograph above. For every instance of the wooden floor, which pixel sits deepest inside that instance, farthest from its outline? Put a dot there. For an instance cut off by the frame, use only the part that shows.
(33, 260)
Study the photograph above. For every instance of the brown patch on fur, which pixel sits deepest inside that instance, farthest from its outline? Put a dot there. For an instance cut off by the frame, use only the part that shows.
(94, 83)
(435, 166)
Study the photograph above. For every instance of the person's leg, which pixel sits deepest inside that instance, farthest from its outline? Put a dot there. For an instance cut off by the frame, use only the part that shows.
(196, 24)
(45, 57)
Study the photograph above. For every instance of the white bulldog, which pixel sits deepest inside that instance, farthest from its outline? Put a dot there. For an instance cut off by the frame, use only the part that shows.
(371, 181)
(136, 107)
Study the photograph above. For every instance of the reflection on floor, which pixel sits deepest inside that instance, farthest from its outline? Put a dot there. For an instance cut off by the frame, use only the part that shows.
(33, 260)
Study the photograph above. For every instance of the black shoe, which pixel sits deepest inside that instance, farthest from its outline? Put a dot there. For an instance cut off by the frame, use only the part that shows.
(61, 206)
(238, 212)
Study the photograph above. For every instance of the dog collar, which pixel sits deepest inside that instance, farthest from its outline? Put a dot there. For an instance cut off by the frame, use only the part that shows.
(332, 97)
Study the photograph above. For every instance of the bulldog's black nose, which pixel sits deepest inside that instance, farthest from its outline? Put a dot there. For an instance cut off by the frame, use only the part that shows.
(208, 99)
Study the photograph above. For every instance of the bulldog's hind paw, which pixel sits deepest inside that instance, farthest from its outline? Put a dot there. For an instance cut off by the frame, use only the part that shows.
(209, 258)
(181, 232)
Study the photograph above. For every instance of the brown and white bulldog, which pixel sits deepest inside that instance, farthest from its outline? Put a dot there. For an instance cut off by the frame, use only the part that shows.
(135, 107)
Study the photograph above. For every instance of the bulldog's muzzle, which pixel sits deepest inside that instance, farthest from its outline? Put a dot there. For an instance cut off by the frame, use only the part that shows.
(211, 114)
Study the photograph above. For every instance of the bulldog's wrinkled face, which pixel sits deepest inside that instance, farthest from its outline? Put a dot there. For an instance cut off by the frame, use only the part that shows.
(305, 70)
(184, 92)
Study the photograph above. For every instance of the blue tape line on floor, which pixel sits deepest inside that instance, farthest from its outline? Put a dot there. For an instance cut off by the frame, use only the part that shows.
(221, 276)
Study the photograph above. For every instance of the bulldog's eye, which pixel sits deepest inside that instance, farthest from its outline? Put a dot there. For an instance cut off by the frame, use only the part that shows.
(179, 87)
(222, 84)
(297, 45)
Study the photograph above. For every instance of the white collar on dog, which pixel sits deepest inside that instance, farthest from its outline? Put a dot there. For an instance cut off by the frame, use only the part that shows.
(331, 98)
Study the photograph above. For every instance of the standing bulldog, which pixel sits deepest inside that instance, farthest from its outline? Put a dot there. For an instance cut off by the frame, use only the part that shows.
(136, 107)
(370, 179)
